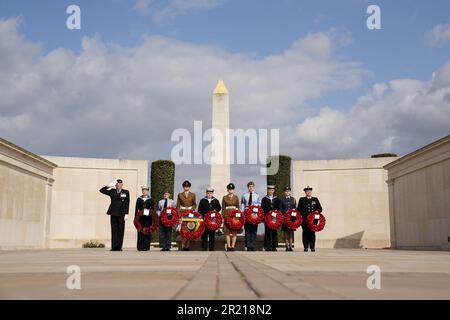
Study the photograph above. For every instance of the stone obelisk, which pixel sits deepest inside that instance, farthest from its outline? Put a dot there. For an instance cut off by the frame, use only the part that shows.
(220, 144)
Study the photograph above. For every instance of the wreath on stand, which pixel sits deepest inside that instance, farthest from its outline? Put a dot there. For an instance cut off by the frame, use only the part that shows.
(213, 220)
(293, 219)
(192, 225)
(235, 220)
(169, 217)
(254, 215)
(146, 230)
(274, 219)
(315, 221)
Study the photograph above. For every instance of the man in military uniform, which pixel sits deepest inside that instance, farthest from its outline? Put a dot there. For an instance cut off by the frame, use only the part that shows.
(287, 203)
(268, 203)
(248, 199)
(118, 211)
(207, 204)
(306, 205)
(185, 202)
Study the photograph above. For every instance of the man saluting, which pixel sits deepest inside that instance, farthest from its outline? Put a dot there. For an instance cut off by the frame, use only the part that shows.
(118, 211)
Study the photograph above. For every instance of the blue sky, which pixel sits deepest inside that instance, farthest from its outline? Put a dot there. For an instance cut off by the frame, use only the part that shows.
(338, 89)
(256, 27)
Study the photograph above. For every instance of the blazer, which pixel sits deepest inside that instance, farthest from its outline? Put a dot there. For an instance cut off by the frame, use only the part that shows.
(120, 201)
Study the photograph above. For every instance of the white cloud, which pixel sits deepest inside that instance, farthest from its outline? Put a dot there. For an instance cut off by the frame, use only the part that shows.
(439, 34)
(398, 116)
(168, 10)
(113, 101)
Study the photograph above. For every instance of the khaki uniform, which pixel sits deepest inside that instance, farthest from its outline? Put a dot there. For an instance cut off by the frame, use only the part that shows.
(186, 202)
(228, 204)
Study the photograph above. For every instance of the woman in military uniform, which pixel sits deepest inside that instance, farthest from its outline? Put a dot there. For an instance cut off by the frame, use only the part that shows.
(185, 202)
(229, 202)
(143, 217)
(287, 203)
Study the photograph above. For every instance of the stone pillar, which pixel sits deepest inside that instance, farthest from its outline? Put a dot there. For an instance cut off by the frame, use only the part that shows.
(220, 144)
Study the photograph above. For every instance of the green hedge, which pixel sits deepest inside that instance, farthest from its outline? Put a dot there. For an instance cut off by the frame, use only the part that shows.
(384, 155)
(283, 177)
(162, 178)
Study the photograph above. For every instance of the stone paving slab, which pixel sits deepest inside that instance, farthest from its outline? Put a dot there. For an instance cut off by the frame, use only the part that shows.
(325, 274)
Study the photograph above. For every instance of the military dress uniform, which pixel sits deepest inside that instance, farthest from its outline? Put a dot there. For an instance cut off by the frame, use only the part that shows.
(118, 209)
(186, 201)
(143, 216)
(165, 233)
(305, 207)
(230, 202)
(208, 236)
(287, 203)
(248, 199)
(270, 236)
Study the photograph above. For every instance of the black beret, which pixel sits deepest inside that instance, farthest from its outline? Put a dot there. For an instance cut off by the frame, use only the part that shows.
(308, 188)
(186, 184)
(119, 181)
(287, 189)
(231, 186)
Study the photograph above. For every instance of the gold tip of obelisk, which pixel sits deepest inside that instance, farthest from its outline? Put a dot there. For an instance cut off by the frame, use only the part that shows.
(220, 88)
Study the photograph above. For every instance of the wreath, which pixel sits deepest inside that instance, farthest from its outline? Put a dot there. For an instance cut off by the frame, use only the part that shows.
(169, 217)
(192, 225)
(316, 221)
(293, 219)
(235, 220)
(274, 219)
(254, 215)
(146, 230)
(213, 220)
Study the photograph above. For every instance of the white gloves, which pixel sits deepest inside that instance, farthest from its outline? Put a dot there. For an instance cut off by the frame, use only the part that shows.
(126, 217)
(112, 184)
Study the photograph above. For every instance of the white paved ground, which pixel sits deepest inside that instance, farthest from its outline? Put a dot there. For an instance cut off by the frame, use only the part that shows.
(325, 274)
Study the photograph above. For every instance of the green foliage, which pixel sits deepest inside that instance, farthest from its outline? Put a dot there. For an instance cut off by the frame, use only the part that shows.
(283, 177)
(162, 178)
(280, 179)
(384, 155)
(93, 244)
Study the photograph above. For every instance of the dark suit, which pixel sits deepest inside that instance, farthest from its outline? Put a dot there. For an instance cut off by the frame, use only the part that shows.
(204, 207)
(270, 236)
(119, 207)
(143, 240)
(305, 207)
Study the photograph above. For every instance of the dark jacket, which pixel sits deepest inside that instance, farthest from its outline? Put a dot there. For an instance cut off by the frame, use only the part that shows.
(306, 206)
(120, 202)
(268, 205)
(141, 204)
(205, 206)
(287, 204)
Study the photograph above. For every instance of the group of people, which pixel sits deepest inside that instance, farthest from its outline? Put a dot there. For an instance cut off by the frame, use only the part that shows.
(186, 201)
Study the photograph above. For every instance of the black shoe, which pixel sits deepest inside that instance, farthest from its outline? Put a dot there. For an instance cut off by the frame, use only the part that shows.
(305, 250)
(232, 249)
(274, 249)
(212, 249)
(290, 249)
(313, 250)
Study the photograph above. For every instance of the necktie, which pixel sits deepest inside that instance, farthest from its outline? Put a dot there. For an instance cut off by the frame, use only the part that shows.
(250, 199)
(165, 203)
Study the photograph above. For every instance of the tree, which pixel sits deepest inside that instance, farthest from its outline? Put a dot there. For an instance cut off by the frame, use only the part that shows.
(162, 178)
